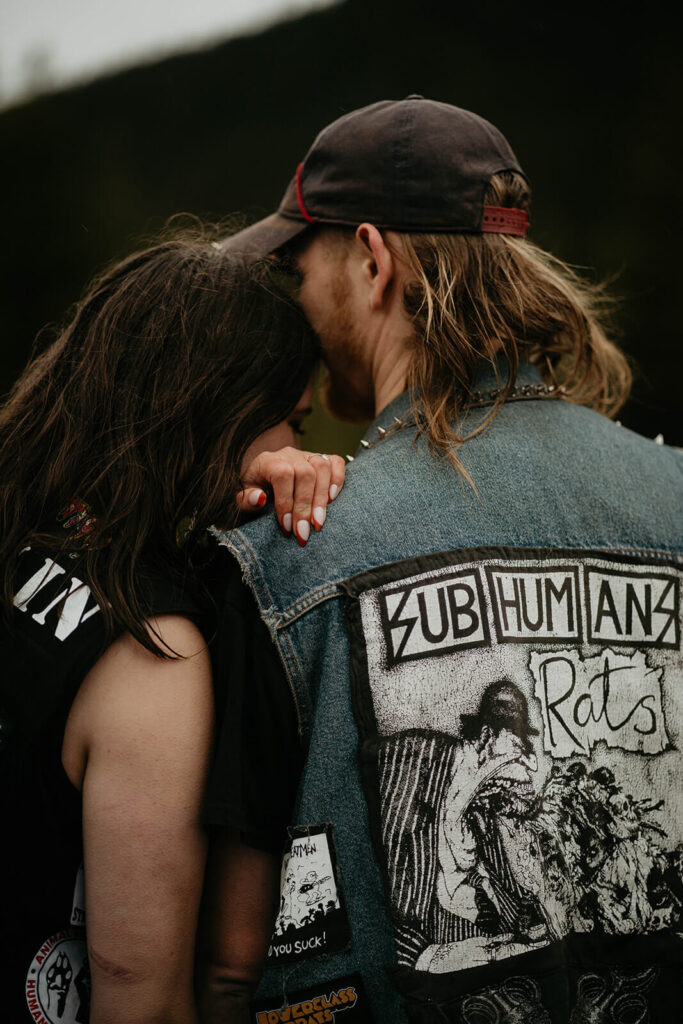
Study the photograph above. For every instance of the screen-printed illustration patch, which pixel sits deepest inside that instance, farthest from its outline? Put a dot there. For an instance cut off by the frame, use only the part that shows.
(312, 918)
(520, 716)
(341, 1000)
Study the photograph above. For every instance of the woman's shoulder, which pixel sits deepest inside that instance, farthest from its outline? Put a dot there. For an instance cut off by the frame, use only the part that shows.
(132, 700)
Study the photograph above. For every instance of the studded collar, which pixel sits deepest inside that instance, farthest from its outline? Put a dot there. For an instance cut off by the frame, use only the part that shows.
(486, 388)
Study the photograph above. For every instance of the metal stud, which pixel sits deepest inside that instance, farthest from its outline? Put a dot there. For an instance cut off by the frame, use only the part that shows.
(398, 422)
(659, 439)
(349, 458)
(381, 431)
(365, 444)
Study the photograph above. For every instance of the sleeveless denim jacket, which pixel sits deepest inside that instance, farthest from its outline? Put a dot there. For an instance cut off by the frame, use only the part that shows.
(489, 684)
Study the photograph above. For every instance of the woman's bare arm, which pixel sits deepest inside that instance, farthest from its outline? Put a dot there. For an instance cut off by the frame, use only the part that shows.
(138, 742)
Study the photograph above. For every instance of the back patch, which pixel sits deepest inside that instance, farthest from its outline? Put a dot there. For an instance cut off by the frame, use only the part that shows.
(519, 713)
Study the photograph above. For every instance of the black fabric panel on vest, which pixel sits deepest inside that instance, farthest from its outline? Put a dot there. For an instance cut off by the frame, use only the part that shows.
(258, 757)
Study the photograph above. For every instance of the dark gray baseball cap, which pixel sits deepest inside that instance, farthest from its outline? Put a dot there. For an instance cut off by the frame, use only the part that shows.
(413, 165)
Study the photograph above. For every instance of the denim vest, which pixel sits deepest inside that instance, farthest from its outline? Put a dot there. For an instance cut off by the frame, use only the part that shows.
(488, 680)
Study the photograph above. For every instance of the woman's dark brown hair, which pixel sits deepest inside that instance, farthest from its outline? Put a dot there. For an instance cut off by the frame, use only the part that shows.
(174, 362)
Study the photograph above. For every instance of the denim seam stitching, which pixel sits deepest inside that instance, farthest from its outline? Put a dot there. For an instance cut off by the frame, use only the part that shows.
(292, 667)
(294, 611)
(673, 556)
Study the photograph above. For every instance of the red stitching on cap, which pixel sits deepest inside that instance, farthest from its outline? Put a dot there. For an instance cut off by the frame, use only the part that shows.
(502, 220)
(299, 197)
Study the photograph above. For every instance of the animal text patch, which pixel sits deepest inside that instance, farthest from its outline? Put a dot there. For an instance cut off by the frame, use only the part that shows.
(58, 981)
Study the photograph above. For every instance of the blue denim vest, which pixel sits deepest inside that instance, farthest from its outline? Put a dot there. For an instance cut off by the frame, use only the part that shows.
(564, 499)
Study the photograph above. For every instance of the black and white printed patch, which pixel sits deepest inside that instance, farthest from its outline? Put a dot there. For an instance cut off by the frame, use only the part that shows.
(341, 1000)
(56, 604)
(520, 715)
(58, 981)
(312, 918)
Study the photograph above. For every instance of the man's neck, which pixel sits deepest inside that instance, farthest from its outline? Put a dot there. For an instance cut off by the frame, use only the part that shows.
(389, 371)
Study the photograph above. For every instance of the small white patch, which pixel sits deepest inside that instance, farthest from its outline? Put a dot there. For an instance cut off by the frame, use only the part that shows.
(78, 905)
(311, 919)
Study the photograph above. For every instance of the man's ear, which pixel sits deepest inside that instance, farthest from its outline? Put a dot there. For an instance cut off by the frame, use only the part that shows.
(378, 265)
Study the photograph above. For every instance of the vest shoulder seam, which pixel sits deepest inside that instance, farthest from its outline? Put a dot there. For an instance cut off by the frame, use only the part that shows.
(306, 603)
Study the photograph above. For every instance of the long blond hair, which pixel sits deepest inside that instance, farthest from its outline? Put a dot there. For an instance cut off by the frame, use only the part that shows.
(491, 296)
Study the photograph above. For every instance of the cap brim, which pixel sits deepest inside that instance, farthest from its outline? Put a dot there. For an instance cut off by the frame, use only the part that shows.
(265, 236)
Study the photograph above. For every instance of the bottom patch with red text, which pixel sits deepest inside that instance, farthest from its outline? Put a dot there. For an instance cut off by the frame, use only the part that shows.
(340, 999)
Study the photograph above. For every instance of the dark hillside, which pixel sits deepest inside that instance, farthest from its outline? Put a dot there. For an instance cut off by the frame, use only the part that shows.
(591, 106)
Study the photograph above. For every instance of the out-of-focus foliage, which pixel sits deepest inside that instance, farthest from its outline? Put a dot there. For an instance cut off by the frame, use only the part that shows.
(588, 95)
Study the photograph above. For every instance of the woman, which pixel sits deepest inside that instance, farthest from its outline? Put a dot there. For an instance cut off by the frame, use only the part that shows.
(162, 400)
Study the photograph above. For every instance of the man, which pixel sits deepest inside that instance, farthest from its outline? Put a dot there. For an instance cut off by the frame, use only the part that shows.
(504, 562)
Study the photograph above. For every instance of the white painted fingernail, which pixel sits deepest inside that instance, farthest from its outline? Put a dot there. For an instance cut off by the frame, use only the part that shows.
(319, 515)
(287, 522)
(257, 497)
(303, 530)
(334, 491)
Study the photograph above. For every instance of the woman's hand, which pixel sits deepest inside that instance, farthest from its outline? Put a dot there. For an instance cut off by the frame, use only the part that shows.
(303, 483)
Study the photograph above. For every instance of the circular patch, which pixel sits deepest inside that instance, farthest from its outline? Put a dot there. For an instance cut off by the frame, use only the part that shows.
(58, 981)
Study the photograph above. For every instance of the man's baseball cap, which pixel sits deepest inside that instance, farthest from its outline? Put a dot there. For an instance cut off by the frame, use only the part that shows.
(413, 165)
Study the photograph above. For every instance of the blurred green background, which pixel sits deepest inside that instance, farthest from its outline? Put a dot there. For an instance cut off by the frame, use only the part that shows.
(588, 95)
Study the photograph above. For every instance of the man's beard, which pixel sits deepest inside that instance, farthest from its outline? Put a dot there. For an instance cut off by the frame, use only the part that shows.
(342, 400)
(346, 388)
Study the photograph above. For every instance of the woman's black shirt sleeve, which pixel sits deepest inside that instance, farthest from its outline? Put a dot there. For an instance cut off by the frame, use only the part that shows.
(257, 754)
